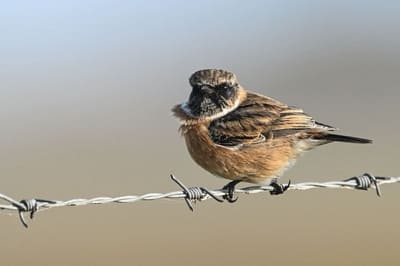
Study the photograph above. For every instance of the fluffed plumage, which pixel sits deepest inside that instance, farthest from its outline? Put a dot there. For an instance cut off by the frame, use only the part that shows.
(240, 135)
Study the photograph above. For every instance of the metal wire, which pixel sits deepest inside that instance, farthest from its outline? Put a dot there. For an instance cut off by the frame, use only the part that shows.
(191, 194)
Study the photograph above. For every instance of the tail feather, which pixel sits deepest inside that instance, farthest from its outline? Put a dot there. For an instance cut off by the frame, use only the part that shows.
(342, 138)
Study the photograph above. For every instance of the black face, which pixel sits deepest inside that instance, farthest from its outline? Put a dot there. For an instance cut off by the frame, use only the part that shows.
(208, 100)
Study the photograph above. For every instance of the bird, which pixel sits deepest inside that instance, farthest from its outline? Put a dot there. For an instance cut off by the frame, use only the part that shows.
(244, 136)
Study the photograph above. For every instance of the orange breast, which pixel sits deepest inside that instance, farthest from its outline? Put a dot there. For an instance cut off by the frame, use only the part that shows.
(254, 163)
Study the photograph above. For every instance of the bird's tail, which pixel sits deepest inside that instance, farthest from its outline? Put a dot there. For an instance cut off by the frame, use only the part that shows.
(342, 138)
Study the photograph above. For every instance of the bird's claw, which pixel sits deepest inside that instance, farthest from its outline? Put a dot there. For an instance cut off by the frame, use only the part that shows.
(229, 196)
(230, 191)
(278, 188)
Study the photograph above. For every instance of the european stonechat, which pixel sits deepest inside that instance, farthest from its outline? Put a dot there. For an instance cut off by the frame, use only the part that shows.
(244, 136)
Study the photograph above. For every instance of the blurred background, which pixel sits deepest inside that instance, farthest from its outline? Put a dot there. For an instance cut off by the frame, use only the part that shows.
(85, 99)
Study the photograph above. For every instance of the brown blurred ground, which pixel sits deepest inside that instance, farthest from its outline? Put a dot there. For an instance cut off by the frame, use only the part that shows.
(84, 110)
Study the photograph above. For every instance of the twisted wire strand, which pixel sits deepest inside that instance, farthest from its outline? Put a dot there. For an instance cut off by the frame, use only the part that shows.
(190, 194)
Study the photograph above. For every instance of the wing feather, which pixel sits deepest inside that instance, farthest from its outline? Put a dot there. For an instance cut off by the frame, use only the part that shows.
(258, 119)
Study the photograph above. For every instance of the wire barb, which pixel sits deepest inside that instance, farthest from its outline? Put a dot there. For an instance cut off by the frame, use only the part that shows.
(365, 181)
(194, 194)
(32, 206)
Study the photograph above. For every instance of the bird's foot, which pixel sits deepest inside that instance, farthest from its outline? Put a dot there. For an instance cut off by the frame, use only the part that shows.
(278, 188)
(230, 191)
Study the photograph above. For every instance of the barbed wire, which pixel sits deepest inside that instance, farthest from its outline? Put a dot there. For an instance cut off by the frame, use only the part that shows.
(191, 194)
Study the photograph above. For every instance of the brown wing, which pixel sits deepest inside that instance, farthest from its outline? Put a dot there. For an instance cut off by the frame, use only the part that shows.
(259, 119)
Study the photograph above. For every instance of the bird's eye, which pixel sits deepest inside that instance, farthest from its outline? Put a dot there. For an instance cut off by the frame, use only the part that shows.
(223, 86)
(225, 90)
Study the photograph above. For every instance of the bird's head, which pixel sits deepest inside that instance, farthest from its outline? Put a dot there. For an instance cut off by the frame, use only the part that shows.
(214, 93)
